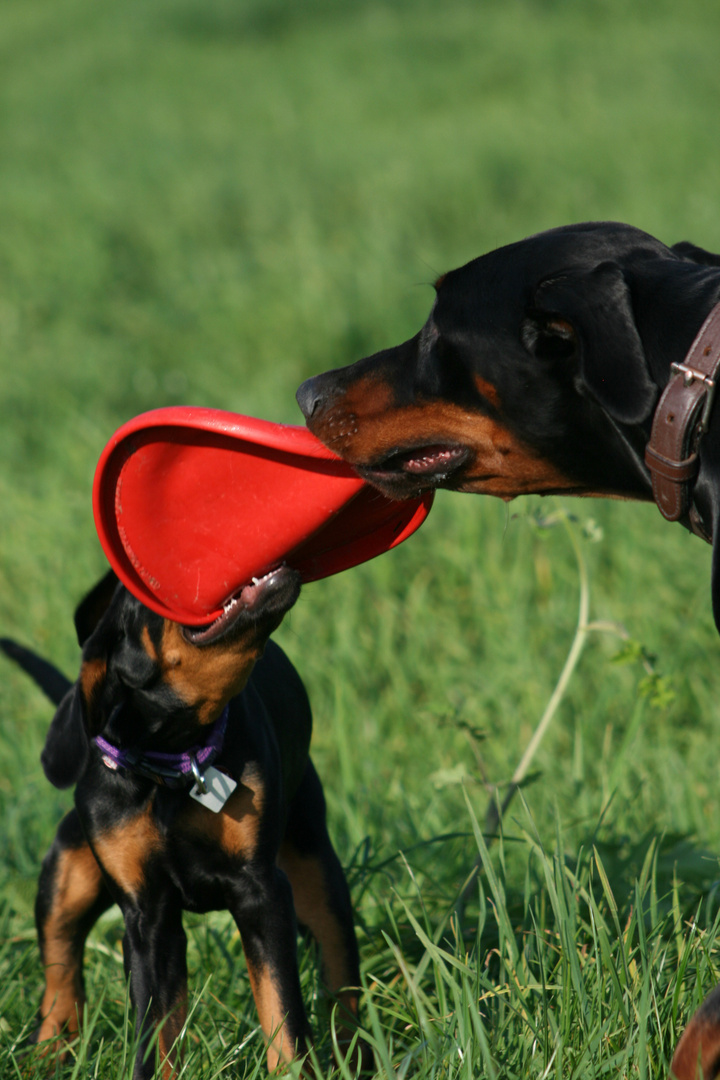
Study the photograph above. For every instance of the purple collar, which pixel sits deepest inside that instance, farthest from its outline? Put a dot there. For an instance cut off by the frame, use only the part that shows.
(169, 770)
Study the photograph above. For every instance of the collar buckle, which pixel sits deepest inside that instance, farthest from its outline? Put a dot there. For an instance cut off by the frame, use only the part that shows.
(690, 375)
(199, 776)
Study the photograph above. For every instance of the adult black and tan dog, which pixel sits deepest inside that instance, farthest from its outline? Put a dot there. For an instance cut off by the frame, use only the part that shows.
(539, 369)
(159, 710)
(581, 361)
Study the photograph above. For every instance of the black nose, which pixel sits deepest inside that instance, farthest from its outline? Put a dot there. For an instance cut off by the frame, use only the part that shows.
(309, 396)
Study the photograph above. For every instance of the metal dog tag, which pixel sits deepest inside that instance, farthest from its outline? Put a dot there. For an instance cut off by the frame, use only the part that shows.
(220, 787)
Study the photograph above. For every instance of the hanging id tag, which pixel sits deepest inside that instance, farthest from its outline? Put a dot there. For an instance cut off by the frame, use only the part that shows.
(219, 786)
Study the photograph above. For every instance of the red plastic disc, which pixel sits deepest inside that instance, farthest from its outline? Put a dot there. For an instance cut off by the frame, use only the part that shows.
(190, 504)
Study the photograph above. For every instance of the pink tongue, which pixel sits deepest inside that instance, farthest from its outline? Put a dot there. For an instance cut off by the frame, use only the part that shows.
(431, 459)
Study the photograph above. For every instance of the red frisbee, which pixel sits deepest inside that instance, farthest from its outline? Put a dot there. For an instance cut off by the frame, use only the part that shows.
(190, 504)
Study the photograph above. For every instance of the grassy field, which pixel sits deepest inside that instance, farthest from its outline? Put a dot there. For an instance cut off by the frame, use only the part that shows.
(205, 201)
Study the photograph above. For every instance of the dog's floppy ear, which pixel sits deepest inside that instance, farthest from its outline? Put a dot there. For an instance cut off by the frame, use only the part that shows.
(75, 722)
(587, 314)
(76, 719)
(92, 607)
(698, 1052)
(695, 254)
(65, 752)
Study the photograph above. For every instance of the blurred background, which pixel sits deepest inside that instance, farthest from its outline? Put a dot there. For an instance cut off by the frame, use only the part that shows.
(206, 201)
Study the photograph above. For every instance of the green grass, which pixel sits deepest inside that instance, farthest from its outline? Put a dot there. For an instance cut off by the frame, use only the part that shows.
(205, 201)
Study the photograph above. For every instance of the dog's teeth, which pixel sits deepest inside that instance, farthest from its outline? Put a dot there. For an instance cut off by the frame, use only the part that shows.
(256, 581)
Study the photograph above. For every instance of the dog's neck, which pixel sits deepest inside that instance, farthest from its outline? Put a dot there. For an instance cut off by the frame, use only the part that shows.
(168, 729)
(669, 310)
(174, 770)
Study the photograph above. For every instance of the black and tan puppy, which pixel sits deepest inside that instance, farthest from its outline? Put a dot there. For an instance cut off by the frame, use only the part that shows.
(159, 710)
(539, 369)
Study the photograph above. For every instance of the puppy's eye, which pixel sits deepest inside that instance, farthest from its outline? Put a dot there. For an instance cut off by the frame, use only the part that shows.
(548, 337)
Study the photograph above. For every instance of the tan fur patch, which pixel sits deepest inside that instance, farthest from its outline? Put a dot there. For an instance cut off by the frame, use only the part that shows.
(206, 677)
(367, 428)
(77, 885)
(698, 1052)
(272, 1016)
(487, 390)
(236, 828)
(312, 908)
(92, 676)
(172, 1025)
(125, 850)
(147, 644)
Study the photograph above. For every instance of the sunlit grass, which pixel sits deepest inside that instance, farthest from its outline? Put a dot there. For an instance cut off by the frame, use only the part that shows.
(205, 202)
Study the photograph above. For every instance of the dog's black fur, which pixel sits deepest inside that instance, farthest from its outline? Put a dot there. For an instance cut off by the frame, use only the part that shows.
(538, 370)
(265, 857)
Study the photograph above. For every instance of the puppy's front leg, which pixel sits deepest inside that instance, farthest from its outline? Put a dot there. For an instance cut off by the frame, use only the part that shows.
(131, 854)
(263, 910)
(155, 960)
(71, 897)
(323, 905)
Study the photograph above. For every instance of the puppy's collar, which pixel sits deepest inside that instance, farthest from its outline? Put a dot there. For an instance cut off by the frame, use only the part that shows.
(168, 770)
(681, 419)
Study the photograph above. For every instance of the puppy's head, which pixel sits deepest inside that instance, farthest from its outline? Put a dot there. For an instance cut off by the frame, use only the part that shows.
(146, 680)
(536, 371)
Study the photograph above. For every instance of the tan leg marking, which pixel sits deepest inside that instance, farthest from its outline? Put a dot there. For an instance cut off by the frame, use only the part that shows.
(172, 1025)
(271, 1012)
(312, 908)
(78, 882)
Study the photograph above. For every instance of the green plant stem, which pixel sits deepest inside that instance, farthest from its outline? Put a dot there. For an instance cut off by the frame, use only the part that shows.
(494, 815)
(495, 810)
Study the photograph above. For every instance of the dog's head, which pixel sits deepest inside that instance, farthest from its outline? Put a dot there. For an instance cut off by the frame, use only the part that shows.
(144, 678)
(537, 371)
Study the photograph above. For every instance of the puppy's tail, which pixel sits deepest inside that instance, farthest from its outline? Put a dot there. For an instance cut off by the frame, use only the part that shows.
(697, 1056)
(51, 681)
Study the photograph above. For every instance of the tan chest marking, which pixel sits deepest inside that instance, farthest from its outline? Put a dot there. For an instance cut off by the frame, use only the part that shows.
(236, 828)
(125, 850)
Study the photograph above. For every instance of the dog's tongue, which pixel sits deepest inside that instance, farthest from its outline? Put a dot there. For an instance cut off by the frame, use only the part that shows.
(192, 504)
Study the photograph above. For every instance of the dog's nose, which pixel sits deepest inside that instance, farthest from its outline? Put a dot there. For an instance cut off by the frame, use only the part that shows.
(309, 396)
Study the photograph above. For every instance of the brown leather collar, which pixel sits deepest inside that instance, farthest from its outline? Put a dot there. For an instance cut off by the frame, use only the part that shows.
(681, 419)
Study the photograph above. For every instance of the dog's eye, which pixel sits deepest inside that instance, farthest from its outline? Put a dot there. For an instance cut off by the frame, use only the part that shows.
(549, 337)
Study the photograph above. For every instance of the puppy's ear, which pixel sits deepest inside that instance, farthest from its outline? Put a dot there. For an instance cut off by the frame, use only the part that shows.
(695, 254)
(697, 1056)
(65, 752)
(78, 716)
(91, 609)
(587, 314)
